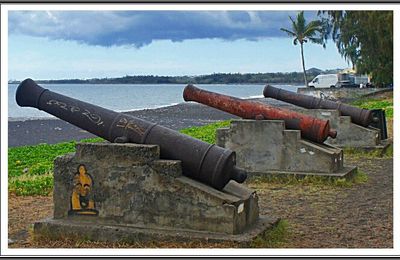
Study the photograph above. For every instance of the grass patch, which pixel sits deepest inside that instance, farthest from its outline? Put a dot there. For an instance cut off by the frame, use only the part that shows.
(358, 153)
(30, 168)
(206, 133)
(273, 238)
(356, 178)
(386, 105)
(31, 185)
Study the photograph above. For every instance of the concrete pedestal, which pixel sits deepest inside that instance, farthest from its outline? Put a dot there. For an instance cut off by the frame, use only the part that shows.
(266, 147)
(348, 134)
(124, 192)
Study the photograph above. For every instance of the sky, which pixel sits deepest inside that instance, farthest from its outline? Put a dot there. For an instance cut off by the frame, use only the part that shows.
(104, 43)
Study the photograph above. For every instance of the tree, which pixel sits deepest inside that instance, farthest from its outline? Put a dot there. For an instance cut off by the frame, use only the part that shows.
(366, 39)
(303, 32)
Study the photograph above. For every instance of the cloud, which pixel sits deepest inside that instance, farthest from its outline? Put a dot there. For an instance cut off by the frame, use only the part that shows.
(139, 28)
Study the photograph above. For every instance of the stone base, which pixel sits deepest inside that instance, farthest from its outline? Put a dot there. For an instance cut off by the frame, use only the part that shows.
(348, 133)
(345, 172)
(134, 195)
(265, 146)
(61, 228)
(381, 148)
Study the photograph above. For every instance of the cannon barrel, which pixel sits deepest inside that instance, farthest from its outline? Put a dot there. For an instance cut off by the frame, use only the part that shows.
(314, 129)
(358, 116)
(209, 164)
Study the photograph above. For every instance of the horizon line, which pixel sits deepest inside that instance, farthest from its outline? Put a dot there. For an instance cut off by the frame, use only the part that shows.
(173, 76)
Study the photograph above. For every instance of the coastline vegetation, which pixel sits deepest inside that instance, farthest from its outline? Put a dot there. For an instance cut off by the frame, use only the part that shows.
(216, 78)
(364, 38)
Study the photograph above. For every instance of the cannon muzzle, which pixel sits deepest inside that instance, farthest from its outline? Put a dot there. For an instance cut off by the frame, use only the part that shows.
(358, 116)
(207, 163)
(28, 93)
(312, 128)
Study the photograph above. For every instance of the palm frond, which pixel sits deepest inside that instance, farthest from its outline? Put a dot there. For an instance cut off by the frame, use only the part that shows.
(313, 28)
(301, 22)
(302, 31)
(290, 33)
(294, 25)
(316, 40)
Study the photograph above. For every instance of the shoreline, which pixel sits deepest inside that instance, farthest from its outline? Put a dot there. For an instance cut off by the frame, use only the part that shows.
(177, 117)
(51, 117)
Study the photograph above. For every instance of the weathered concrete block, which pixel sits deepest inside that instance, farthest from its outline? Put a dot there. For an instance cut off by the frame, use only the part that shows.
(263, 146)
(127, 185)
(348, 133)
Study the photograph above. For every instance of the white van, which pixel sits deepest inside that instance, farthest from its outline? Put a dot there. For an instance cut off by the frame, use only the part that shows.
(324, 81)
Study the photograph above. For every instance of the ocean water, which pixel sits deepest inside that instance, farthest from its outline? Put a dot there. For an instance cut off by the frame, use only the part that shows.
(128, 97)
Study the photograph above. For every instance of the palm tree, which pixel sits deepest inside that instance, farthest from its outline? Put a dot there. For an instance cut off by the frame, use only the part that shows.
(302, 32)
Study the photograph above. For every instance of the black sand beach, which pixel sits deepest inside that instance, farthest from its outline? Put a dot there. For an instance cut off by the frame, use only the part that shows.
(183, 115)
(31, 132)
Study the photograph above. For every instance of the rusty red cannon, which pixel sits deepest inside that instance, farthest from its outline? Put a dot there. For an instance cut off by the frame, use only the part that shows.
(359, 116)
(210, 164)
(314, 129)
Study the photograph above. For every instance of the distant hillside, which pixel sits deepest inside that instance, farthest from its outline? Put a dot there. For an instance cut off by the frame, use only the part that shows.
(216, 78)
(313, 71)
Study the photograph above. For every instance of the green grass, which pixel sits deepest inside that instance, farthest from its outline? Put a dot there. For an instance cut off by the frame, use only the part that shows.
(272, 238)
(358, 153)
(30, 168)
(357, 178)
(206, 133)
(386, 105)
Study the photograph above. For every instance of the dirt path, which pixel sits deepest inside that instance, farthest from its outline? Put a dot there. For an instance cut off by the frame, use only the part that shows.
(318, 216)
(24, 211)
(331, 216)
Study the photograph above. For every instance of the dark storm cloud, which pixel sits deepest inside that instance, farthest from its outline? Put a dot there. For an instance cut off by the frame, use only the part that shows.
(139, 28)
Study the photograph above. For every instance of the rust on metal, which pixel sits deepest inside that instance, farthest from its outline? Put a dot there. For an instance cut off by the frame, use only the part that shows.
(210, 164)
(312, 128)
(358, 116)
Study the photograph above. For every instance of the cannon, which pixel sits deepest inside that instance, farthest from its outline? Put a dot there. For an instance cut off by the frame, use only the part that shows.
(313, 129)
(206, 163)
(359, 116)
